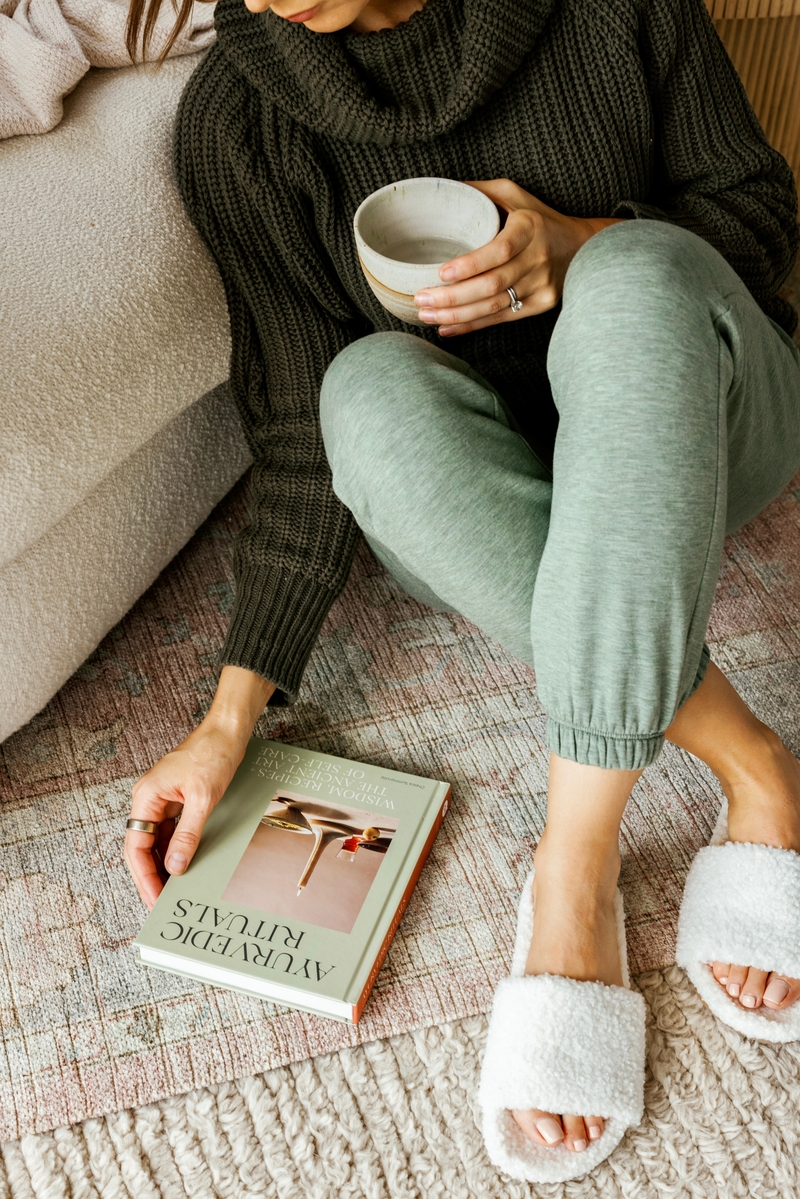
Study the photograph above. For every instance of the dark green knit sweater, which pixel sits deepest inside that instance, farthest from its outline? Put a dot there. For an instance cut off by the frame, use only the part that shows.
(597, 107)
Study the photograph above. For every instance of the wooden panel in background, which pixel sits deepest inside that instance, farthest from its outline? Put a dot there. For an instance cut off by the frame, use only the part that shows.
(753, 8)
(763, 39)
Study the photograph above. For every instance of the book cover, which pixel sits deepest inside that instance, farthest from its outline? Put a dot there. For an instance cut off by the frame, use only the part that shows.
(300, 880)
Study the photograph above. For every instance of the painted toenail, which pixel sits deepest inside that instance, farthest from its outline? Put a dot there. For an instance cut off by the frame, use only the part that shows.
(748, 1001)
(777, 990)
(594, 1132)
(550, 1129)
(579, 1145)
(734, 989)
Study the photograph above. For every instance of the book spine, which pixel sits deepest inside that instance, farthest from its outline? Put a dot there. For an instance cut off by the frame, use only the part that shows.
(358, 1007)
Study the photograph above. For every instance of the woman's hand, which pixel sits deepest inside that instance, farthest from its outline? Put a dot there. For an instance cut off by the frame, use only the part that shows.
(531, 253)
(190, 781)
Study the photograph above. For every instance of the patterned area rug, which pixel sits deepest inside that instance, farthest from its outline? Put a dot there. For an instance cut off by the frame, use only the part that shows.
(85, 1031)
(394, 1120)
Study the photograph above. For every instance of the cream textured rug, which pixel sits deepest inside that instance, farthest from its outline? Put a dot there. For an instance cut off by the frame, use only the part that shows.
(393, 1120)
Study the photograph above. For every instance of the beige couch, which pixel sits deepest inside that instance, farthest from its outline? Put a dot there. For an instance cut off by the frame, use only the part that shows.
(118, 436)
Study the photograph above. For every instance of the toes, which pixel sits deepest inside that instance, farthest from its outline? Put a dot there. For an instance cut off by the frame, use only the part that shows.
(753, 988)
(543, 1128)
(737, 976)
(720, 970)
(594, 1127)
(781, 992)
(576, 1136)
(549, 1130)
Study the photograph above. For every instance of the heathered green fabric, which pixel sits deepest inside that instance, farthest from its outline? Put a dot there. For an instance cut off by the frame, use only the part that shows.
(679, 407)
(598, 107)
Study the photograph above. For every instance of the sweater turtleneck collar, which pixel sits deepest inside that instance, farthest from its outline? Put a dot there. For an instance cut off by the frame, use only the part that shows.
(408, 84)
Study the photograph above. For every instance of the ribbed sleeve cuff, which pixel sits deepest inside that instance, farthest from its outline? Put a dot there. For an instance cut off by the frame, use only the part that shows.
(275, 623)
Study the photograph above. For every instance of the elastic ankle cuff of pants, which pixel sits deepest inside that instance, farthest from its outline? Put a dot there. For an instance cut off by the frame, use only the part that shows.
(598, 749)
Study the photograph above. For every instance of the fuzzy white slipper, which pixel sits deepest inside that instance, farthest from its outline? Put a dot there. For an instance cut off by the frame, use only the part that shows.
(742, 904)
(560, 1046)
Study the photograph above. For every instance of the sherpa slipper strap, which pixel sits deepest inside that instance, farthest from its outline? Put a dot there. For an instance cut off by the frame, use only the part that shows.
(565, 1046)
(742, 904)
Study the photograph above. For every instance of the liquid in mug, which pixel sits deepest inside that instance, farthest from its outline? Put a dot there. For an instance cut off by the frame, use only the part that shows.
(422, 250)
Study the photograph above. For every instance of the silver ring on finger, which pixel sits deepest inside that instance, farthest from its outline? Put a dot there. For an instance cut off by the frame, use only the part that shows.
(142, 826)
(516, 303)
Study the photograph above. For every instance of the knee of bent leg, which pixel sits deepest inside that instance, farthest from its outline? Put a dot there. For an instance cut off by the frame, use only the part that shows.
(644, 264)
(358, 385)
(372, 392)
(644, 295)
(363, 402)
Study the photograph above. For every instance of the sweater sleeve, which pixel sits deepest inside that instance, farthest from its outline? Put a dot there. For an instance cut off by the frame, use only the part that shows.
(714, 172)
(293, 557)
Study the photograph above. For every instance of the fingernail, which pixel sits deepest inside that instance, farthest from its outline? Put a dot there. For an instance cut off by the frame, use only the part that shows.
(176, 863)
(777, 990)
(423, 299)
(733, 990)
(723, 979)
(748, 1001)
(550, 1129)
(595, 1132)
(579, 1145)
(445, 332)
(448, 273)
(427, 314)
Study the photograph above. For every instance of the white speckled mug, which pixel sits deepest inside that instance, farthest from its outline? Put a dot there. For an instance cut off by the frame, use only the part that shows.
(407, 230)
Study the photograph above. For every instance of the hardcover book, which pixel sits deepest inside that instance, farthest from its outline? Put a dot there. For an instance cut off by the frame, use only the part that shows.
(300, 880)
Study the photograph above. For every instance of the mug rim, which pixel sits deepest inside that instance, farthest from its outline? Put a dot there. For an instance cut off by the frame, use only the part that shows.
(373, 197)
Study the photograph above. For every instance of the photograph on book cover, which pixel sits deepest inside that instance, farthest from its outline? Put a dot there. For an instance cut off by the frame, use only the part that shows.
(311, 861)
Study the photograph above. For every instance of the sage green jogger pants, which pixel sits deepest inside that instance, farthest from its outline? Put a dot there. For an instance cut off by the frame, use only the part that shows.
(679, 408)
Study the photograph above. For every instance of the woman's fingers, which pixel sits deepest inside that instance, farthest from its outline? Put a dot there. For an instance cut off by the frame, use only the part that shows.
(493, 310)
(139, 846)
(142, 865)
(493, 269)
(150, 856)
(531, 254)
(501, 250)
(170, 848)
(467, 312)
(490, 268)
(186, 837)
(471, 291)
(480, 288)
(466, 321)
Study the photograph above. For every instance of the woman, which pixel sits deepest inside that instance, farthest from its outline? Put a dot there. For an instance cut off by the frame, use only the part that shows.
(619, 389)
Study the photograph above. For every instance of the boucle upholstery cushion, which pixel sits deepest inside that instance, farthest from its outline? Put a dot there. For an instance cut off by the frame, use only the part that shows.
(63, 593)
(112, 326)
(47, 46)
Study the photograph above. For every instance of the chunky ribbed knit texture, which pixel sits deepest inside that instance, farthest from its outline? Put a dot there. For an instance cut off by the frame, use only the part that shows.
(598, 107)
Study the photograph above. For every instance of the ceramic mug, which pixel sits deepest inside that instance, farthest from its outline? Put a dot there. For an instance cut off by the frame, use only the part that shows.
(407, 230)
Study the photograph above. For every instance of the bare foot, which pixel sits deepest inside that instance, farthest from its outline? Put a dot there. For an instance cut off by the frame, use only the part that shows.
(763, 809)
(575, 936)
